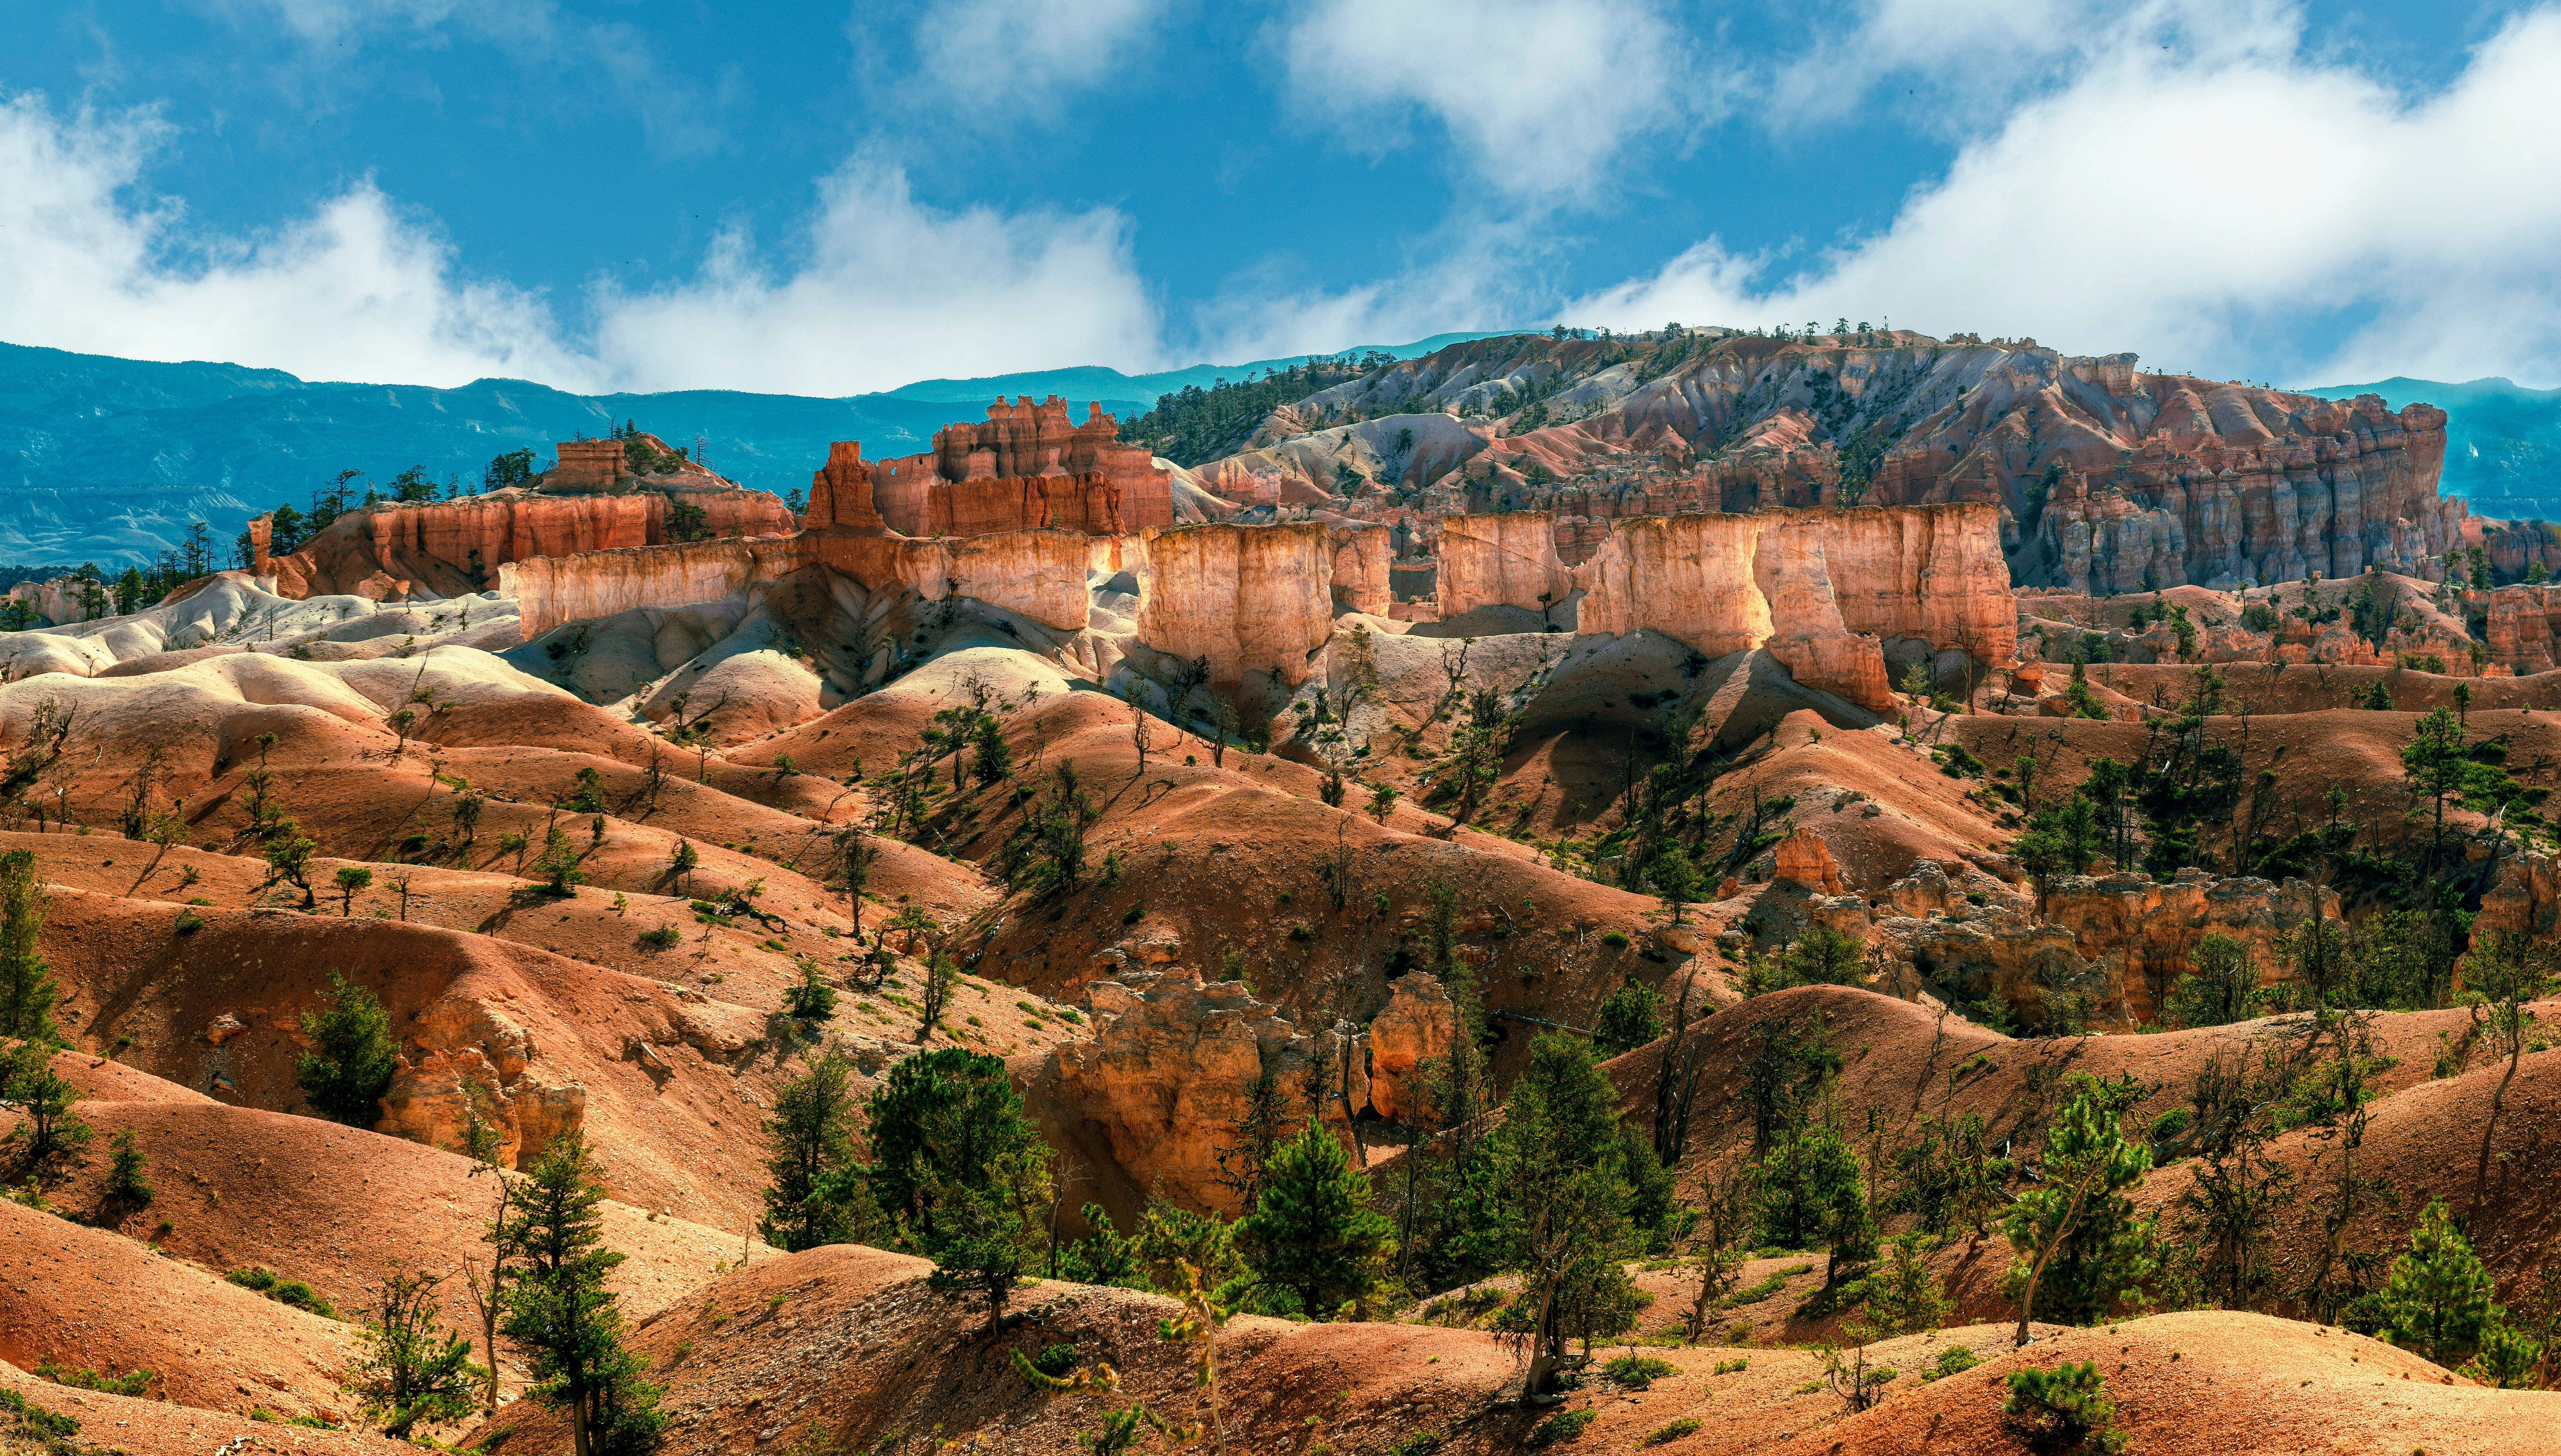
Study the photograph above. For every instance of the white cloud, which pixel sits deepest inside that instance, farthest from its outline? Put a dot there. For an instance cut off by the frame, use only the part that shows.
(352, 291)
(891, 291)
(2211, 210)
(996, 60)
(1539, 94)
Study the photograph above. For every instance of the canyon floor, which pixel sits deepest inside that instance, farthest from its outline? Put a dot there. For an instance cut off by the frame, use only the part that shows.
(1251, 900)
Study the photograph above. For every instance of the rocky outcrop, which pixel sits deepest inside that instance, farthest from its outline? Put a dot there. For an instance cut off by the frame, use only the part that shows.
(389, 550)
(1804, 859)
(455, 1045)
(1170, 1071)
(1249, 598)
(2123, 940)
(1418, 1025)
(2526, 898)
(1025, 466)
(840, 492)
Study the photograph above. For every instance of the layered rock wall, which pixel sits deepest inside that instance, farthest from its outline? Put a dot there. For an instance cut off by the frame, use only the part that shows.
(1508, 559)
(1360, 568)
(1249, 598)
(389, 551)
(1820, 589)
(1039, 576)
(980, 476)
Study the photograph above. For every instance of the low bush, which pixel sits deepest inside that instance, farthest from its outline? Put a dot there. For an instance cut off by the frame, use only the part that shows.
(1563, 1426)
(1638, 1372)
(283, 1291)
(1664, 1436)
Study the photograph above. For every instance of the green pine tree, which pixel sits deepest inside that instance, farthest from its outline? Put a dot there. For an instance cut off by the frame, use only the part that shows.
(27, 990)
(408, 1368)
(2438, 1302)
(809, 1152)
(1552, 1204)
(1312, 1232)
(977, 1244)
(562, 1315)
(2080, 1248)
(352, 1056)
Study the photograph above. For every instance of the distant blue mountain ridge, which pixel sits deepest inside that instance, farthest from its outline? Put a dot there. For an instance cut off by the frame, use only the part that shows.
(2503, 440)
(105, 461)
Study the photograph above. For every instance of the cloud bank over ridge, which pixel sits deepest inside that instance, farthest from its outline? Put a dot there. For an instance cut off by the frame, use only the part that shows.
(2192, 184)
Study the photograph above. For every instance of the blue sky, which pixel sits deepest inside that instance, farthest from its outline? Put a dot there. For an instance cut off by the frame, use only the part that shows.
(825, 200)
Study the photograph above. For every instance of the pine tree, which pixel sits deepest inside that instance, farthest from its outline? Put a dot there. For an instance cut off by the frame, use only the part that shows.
(948, 1120)
(977, 1244)
(2438, 1302)
(352, 1056)
(809, 1148)
(27, 990)
(1313, 1232)
(45, 1099)
(1630, 1017)
(2077, 1227)
(408, 1368)
(560, 1311)
(1557, 1197)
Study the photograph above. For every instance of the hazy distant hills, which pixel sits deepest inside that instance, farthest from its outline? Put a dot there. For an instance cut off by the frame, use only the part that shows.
(106, 459)
(2503, 442)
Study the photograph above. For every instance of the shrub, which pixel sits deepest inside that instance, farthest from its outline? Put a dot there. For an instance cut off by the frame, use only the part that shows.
(189, 922)
(662, 939)
(283, 1291)
(1664, 1436)
(1420, 1443)
(1299, 931)
(52, 1423)
(1565, 1425)
(1733, 1366)
(1638, 1372)
(2069, 1402)
(1615, 939)
(1055, 1360)
(1134, 914)
(133, 1383)
(1955, 1359)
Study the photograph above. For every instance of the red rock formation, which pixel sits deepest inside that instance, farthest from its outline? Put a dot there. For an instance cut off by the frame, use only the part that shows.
(390, 549)
(973, 480)
(1249, 598)
(589, 467)
(2102, 471)
(840, 492)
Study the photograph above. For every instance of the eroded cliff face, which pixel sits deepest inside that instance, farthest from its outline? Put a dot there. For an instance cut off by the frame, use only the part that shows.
(1820, 589)
(1360, 568)
(1249, 598)
(2101, 471)
(1036, 574)
(552, 590)
(2231, 485)
(1508, 559)
(389, 550)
